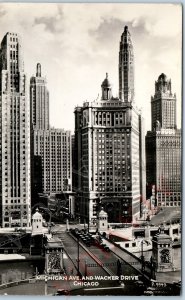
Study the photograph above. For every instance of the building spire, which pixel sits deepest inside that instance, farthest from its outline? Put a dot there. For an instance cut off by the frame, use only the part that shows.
(126, 67)
(38, 73)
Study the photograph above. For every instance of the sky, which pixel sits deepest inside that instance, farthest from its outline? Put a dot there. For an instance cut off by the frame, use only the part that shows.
(77, 44)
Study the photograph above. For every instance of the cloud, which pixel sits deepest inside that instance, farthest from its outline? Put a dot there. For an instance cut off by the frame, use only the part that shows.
(2, 12)
(52, 24)
(77, 44)
(106, 29)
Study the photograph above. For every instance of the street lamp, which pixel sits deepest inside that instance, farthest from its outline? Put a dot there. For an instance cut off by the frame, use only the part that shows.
(49, 221)
(46, 287)
(142, 258)
(85, 268)
(78, 256)
(119, 270)
(153, 268)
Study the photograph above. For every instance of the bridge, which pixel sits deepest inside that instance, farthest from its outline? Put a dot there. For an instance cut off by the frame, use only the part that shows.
(95, 260)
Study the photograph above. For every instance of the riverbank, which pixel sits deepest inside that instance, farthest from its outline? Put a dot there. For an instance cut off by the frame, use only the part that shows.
(20, 257)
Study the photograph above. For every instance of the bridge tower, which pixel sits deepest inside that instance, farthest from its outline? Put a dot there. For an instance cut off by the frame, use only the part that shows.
(54, 256)
(162, 251)
(102, 222)
(37, 221)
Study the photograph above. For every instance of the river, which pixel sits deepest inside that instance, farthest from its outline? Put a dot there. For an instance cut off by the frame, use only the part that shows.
(13, 271)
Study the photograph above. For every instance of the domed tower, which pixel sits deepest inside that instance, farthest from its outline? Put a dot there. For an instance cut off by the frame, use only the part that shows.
(163, 147)
(106, 89)
(37, 223)
(102, 224)
(126, 67)
(163, 104)
(163, 85)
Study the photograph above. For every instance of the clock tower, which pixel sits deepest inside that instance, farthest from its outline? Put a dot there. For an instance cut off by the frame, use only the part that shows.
(162, 251)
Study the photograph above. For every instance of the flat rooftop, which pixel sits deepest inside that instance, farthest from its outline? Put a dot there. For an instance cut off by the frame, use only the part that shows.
(167, 215)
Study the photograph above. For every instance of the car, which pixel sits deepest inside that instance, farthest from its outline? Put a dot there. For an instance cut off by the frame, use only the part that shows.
(106, 248)
(61, 292)
(148, 293)
(140, 284)
(88, 244)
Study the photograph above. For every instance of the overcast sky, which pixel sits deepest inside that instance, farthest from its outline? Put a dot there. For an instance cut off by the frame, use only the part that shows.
(77, 44)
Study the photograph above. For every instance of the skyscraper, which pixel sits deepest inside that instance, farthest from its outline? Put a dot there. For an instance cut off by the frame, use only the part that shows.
(53, 146)
(126, 67)
(163, 147)
(14, 136)
(163, 104)
(39, 106)
(108, 148)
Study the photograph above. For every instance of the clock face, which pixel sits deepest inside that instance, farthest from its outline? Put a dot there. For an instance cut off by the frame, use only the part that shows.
(165, 256)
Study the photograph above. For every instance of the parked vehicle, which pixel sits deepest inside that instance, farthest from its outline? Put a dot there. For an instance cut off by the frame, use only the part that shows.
(61, 292)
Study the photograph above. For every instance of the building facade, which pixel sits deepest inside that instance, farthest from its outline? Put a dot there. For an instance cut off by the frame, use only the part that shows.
(163, 147)
(126, 67)
(52, 146)
(14, 136)
(39, 104)
(108, 146)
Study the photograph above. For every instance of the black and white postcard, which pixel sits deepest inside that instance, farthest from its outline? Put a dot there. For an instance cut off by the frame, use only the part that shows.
(90, 149)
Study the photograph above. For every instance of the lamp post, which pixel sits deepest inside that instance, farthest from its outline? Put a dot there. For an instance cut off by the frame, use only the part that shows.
(142, 258)
(119, 271)
(78, 256)
(151, 265)
(153, 268)
(46, 287)
(63, 267)
(85, 268)
(49, 221)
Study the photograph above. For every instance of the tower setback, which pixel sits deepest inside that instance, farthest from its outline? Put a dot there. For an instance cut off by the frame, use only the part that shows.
(14, 136)
(109, 149)
(126, 67)
(163, 147)
(39, 104)
(50, 146)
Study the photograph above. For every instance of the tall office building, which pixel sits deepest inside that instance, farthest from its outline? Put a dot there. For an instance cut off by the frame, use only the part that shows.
(108, 149)
(39, 106)
(163, 147)
(53, 146)
(14, 136)
(126, 67)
